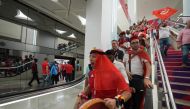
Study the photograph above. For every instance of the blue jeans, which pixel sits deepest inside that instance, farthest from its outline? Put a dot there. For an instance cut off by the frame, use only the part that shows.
(164, 45)
(185, 51)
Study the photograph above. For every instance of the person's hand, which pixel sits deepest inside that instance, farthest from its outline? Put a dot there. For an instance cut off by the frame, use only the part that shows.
(110, 103)
(129, 76)
(178, 46)
(148, 83)
(79, 102)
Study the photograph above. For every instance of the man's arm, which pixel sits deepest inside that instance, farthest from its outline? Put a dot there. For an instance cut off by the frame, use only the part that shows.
(179, 40)
(147, 81)
(47, 69)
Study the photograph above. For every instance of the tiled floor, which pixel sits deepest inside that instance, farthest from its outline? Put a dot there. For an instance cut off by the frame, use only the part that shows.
(63, 99)
(20, 83)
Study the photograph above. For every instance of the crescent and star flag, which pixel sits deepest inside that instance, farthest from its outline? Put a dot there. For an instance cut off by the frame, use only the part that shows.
(164, 13)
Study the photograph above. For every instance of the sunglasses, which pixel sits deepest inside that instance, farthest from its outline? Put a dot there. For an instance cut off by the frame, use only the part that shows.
(135, 42)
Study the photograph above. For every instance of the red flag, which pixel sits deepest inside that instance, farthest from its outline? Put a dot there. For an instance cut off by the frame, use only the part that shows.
(164, 13)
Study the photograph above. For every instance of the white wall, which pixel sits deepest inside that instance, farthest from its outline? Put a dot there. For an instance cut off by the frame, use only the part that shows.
(11, 30)
(122, 21)
(132, 9)
(45, 39)
(31, 34)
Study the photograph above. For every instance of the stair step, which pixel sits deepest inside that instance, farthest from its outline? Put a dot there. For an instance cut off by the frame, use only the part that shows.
(177, 86)
(180, 104)
(174, 53)
(181, 80)
(176, 76)
(174, 63)
(177, 68)
(177, 73)
(180, 94)
(178, 91)
(172, 59)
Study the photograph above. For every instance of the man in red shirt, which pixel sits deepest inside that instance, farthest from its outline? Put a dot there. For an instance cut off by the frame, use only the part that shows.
(69, 70)
(45, 70)
(63, 71)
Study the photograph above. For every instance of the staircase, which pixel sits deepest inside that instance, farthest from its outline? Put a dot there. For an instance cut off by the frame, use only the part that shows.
(179, 79)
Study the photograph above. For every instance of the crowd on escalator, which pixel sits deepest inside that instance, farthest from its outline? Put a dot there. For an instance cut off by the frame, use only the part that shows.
(121, 75)
(14, 65)
(66, 46)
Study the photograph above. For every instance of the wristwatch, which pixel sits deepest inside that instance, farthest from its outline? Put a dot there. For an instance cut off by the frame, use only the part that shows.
(146, 77)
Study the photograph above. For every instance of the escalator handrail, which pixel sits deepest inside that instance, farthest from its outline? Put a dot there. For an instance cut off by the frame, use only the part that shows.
(3, 68)
(182, 24)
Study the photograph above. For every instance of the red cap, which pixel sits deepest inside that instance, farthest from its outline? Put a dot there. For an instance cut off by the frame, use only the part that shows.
(122, 33)
(142, 34)
(133, 38)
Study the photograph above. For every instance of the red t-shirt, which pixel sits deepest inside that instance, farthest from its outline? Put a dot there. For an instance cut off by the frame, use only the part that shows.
(69, 68)
(45, 64)
(63, 66)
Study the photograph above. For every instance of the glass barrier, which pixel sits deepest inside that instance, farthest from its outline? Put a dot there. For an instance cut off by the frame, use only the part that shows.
(27, 34)
(18, 71)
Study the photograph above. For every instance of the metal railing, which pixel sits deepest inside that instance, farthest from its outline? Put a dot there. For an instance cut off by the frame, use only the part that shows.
(170, 103)
(14, 67)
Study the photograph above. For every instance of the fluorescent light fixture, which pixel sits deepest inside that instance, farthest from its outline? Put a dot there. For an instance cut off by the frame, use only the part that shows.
(60, 31)
(72, 36)
(82, 20)
(21, 15)
(54, 0)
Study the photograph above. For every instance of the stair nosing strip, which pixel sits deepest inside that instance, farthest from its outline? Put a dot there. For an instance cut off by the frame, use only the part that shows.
(179, 91)
(177, 83)
(182, 77)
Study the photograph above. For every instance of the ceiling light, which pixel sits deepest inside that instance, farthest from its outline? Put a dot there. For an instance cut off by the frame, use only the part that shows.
(82, 20)
(72, 36)
(54, 0)
(21, 15)
(60, 31)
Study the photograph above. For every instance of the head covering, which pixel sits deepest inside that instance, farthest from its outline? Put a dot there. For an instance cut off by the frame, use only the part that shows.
(97, 51)
(142, 34)
(108, 81)
(133, 38)
(122, 33)
(110, 52)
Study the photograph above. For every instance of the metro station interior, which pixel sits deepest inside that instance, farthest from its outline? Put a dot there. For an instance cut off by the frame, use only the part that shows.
(47, 49)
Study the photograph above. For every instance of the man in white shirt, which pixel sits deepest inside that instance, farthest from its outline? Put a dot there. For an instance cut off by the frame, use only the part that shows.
(138, 68)
(164, 39)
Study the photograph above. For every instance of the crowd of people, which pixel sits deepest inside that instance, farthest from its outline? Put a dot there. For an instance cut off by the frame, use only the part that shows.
(14, 65)
(64, 46)
(52, 72)
(121, 75)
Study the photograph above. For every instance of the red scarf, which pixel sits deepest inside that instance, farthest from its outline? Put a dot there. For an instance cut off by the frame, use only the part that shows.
(107, 81)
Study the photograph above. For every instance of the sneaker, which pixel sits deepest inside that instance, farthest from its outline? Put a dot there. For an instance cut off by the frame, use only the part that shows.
(183, 65)
(165, 53)
(29, 84)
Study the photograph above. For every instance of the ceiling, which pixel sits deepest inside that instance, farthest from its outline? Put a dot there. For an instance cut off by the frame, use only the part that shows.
(8, 11)
(65, 11)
